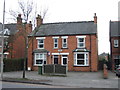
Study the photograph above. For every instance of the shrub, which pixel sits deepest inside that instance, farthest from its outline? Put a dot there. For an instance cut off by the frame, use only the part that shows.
(13, 64)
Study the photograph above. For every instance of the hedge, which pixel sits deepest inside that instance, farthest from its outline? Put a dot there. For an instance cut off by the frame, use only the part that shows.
(13, 65)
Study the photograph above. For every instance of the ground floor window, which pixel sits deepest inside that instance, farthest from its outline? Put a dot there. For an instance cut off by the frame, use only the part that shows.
(81, 59)
(40, 59)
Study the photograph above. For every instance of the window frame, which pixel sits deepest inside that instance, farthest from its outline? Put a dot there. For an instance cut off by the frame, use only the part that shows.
(86, 59)
(44, 58)
(64, 37)
(116, 43)
(78, 43)
(38, 44)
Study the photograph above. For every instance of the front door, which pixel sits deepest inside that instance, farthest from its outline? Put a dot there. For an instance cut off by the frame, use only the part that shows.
(64, 59)
(55, 59)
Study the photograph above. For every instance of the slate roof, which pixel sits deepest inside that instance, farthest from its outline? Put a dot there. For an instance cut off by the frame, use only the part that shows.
(65, 28)
(114, 28)
(11, 27)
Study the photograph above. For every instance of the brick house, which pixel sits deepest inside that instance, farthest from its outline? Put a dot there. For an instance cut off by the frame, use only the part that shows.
(9, 30)
(115, 43)
(73, 44)
(15, 35)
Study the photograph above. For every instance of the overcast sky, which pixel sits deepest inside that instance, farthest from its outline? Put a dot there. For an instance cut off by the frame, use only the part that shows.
(74, 10)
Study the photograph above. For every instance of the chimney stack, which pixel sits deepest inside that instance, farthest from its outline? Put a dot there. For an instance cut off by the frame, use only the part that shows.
(29, 27)
(19, 19)
(39, 20)
(95, 18)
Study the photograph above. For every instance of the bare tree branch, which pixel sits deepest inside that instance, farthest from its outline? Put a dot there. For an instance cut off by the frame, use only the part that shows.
(26, 10)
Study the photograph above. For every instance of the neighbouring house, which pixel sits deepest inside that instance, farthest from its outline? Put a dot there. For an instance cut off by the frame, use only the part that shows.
(104, 56)
(115, 43)
(15, 41)
(74, 44)
(9, 30)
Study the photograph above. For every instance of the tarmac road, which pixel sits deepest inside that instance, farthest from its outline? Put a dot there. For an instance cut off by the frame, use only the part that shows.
(26, 85)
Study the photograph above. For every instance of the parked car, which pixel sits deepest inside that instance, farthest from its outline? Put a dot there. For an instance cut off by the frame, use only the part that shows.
(118, 71)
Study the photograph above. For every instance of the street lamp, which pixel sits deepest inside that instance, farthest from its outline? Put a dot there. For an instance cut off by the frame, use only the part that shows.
(2, 49)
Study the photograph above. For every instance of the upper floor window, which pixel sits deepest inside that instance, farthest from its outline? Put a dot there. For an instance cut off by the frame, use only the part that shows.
(64, 41)
(40, 42)
(116, 43)
(80, 41)
(55, 42)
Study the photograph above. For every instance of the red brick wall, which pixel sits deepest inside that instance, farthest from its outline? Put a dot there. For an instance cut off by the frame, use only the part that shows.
(114, 50)
(18, 45)
(72, 45)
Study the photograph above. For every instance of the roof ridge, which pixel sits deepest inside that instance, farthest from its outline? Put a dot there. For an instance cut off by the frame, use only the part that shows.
(10, 23)
(115, 21)
(68, 22)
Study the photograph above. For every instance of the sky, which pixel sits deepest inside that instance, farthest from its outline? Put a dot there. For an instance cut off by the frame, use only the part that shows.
(73, 10)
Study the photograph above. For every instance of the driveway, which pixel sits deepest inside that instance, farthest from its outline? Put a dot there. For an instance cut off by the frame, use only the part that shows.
(73, 79)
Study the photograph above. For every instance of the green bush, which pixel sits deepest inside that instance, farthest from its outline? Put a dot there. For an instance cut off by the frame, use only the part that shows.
(13, 65)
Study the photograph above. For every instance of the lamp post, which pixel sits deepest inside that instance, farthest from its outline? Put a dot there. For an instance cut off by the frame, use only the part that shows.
(2, 50)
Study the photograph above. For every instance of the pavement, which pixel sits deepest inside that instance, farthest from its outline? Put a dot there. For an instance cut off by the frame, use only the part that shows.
(73, 79)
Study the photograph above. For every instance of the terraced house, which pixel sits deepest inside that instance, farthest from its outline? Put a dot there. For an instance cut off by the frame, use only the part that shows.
(73, 44)
(115, 43)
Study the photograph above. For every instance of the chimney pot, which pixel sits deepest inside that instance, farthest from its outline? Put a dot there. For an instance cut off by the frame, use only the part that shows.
(19, 15)
(30, 22)
(95, 18)
(19, 19)
(95, 14)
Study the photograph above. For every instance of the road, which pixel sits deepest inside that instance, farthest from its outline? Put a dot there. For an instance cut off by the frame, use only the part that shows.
(14, 86)
(25, 85)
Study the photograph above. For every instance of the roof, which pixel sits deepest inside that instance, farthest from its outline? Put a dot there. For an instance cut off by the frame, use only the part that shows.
(65, 28)
(40, 51)
(11, 28)
(114, 28)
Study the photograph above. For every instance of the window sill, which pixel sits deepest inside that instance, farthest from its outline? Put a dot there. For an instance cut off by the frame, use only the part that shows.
(64, 48)
(81, 47)
(41, 48)
(115, 47)
(37, 65)
(81, 65)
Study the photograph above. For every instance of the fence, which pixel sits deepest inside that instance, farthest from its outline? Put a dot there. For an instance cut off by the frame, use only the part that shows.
(54, 69)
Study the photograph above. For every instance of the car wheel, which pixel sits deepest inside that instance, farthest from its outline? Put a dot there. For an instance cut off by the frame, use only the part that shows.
(116, 74)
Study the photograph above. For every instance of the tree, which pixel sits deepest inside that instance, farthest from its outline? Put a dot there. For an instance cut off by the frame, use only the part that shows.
(26, 10)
